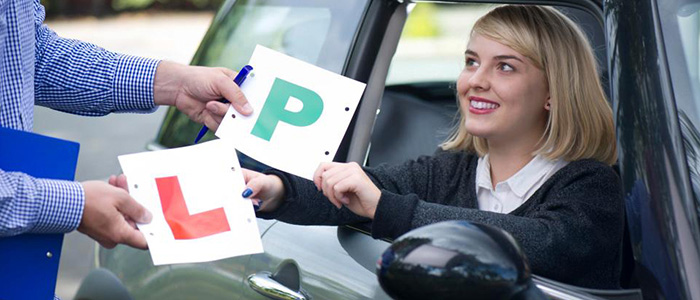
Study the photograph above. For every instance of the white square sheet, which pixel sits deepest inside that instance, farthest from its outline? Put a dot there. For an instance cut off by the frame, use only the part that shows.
(210, 180)
(293, 148)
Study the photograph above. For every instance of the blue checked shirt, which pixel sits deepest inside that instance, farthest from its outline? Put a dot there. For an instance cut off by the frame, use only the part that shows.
(38, 67)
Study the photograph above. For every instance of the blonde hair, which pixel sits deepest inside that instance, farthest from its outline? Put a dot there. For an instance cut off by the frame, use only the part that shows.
(580, 123)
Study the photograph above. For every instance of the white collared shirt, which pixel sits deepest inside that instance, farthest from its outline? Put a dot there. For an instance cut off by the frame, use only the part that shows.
(511, 193)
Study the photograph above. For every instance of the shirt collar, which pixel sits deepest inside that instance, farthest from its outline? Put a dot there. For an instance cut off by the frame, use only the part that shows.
(483, 173)
(522, 181)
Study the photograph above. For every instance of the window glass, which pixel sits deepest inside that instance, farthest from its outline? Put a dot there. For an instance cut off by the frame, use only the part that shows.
(433, 42)
(680, 21)
(320, 32)
(421, 82)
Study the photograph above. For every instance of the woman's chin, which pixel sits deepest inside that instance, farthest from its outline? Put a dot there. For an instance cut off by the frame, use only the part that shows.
(478, 132)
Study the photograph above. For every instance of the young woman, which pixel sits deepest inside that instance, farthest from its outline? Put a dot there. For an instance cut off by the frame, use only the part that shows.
(531, 155)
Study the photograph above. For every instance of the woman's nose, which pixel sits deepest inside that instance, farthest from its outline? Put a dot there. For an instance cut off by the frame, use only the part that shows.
(479, 79)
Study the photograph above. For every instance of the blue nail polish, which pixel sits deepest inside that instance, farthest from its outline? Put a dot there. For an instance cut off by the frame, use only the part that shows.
(247, 193)
(256, 207)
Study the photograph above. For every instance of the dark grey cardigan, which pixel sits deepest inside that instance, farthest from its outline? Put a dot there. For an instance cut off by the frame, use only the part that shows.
(570, 229)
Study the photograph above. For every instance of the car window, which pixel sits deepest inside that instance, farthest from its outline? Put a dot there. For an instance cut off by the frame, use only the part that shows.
(680, 21)
(421, 80)
(432, 43)
(316, 31)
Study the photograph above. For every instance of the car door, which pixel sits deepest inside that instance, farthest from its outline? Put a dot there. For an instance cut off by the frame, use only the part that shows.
(654, 79)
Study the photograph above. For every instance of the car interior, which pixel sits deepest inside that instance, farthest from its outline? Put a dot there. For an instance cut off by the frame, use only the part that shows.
(415, 118)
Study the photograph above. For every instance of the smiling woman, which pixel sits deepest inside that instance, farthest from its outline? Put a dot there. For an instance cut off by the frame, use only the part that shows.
(531, 155)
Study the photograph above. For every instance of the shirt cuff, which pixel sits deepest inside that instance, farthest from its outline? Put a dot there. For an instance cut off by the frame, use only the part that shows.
(62, 206)
(133, 84)
(393, 215)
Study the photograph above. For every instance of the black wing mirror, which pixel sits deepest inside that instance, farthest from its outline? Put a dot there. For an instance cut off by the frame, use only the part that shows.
(456, 260)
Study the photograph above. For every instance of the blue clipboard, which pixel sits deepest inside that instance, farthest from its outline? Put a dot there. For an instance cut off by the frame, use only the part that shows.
(29, 262)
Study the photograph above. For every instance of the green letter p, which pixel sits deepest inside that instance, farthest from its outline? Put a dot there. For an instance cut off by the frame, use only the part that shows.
(274, 111)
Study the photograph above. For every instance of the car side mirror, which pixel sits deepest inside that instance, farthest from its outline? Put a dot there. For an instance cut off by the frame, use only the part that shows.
(456, 260)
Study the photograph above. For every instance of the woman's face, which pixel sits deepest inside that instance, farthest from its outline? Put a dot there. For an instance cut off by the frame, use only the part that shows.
(502, 94)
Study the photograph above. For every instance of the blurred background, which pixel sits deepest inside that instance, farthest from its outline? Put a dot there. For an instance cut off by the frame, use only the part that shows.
(102, 8)
(172, 30)
(164, 29)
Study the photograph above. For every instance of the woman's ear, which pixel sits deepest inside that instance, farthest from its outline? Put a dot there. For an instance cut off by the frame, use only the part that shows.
(547, 105)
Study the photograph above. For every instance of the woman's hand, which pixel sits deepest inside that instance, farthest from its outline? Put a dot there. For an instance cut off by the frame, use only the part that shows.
(266, 191)
(347, 184)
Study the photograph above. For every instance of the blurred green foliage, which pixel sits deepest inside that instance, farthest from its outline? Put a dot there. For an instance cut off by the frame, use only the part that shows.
(107, 7)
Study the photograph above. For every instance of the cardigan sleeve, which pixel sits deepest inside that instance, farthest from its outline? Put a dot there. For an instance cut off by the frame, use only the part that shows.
(304, 205)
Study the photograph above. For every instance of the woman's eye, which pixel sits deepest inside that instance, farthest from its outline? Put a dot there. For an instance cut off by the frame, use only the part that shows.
(506, 67)
(471, 62)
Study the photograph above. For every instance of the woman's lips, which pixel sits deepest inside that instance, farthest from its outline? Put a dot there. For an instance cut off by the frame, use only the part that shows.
(480, 106)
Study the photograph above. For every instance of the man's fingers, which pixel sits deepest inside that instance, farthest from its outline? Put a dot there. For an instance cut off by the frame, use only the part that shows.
(217, 108)
(229, 73)
(233, 94)
(217, 120)
(211, 122)
(134, 238)
(122, 183)
(107, 244)
(132, 209)
(131, 223)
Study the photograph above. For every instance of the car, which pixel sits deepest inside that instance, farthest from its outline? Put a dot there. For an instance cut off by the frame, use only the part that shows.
(649, 62)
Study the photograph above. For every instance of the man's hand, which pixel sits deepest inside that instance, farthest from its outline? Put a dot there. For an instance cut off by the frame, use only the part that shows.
(110, 214)
(194, 91)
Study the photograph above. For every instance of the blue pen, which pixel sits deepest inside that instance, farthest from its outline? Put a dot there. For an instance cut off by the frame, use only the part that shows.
(240, 78)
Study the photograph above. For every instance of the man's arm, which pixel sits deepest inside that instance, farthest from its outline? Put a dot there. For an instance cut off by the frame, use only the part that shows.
(32, 205)
(97, 209)
(82, 78)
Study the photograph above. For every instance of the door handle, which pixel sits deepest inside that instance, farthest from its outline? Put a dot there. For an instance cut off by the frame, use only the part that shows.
(264, 284)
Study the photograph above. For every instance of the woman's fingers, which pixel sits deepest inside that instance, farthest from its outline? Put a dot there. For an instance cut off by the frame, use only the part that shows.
(330, 178)
(326, 170)
(341, 193)
(263, 190)
(342, 182)
(318, 175)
